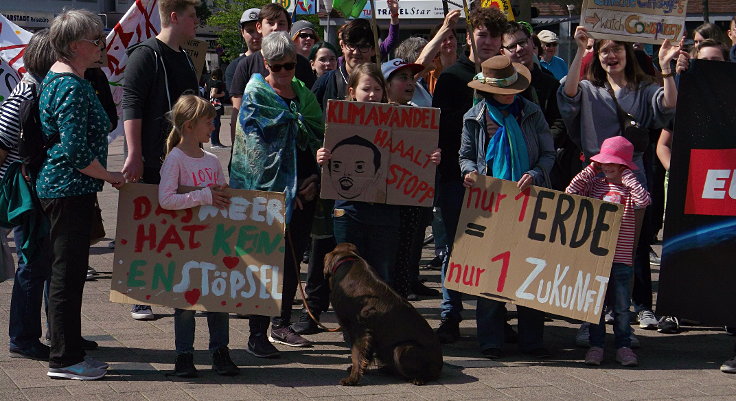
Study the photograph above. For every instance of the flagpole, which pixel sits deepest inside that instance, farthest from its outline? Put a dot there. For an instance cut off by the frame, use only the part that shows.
(472, 37)
(374, 26)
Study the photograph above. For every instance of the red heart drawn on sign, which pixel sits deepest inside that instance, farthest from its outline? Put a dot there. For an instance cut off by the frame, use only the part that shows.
(230, 261)
(192, 296)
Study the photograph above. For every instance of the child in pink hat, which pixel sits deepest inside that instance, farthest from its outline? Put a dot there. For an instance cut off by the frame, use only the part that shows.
(609, 178)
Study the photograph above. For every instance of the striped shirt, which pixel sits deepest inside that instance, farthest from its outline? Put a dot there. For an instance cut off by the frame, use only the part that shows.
(10, 124)
(631, 194)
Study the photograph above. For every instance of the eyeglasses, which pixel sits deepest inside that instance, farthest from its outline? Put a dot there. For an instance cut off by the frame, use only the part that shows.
(307, 35)
(278, 67)
(553, 44)
(363, 47)
(512, 47)
(97, 42)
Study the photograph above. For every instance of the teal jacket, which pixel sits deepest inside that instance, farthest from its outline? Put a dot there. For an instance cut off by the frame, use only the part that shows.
(19, 207)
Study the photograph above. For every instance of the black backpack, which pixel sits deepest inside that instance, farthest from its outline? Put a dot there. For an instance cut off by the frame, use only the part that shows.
(33, 146)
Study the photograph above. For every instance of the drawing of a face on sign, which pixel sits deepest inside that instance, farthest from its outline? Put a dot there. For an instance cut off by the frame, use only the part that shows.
(354, 166)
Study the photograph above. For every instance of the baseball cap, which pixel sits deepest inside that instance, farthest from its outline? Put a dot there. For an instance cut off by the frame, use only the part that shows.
(250, 15)
(396, 64)
(300, 26)
(547, 36)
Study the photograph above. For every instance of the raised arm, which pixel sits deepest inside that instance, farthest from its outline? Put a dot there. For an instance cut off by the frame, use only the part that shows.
(433, 47)
(667, 53)
(573, 75)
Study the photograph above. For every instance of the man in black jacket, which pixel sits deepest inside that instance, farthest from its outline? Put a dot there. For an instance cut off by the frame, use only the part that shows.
(157, 73)
(453, 96)
(518, 46)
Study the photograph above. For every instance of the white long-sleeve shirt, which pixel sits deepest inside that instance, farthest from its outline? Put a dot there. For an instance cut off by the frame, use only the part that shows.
(180, 169)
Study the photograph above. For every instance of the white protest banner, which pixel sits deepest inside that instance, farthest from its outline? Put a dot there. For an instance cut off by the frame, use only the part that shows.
(540, 248)
(635, 21)
(139, 23)
(380, 153)
(13, 42)
(204, 258)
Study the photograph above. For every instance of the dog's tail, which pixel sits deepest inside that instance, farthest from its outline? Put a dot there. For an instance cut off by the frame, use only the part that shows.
(416, 364)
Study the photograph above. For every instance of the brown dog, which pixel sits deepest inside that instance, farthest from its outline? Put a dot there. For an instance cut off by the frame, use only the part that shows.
(378, 322)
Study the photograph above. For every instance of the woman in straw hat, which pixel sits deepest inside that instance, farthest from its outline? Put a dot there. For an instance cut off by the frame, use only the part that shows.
(506, 136)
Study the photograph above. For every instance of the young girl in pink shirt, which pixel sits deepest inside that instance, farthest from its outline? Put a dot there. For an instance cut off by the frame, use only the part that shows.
(187, 164)
(609, 177)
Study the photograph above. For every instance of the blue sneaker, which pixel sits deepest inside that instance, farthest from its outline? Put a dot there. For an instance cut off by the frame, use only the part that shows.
(81, 371)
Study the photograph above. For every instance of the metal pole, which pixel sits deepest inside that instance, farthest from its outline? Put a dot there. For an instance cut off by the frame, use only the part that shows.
(374, 25)
(472, 38)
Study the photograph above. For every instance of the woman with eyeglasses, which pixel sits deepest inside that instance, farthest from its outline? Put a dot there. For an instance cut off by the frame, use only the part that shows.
(323, 58)
(75, 123)
(279, 129)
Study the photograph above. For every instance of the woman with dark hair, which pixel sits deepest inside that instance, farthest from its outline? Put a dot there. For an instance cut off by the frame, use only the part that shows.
(323, 58)
(708, 31)
(76, 124)
(34, 260)
(215, 90)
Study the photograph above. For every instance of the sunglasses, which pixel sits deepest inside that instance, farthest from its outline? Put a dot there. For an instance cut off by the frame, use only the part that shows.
(278, 67)
(553, 44)
(363, 47)
(307, 35)
(97, 42)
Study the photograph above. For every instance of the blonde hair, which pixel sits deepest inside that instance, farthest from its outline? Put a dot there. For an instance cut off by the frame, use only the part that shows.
(187, 108)
(166, 7)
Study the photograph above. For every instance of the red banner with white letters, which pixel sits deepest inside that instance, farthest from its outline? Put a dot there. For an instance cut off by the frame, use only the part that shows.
(711, 182)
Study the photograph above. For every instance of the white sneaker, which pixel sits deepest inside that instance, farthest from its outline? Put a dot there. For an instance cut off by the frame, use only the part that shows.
(81, 371)
(582, 338)
(647, 320)
(141, 312)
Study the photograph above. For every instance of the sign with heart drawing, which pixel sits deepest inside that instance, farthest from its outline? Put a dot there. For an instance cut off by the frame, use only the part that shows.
(204, 258)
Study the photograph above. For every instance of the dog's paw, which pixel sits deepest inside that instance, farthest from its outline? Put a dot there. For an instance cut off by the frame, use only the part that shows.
(349, 381)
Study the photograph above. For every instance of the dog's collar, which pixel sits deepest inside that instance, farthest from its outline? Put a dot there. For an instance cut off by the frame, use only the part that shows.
(342, 262)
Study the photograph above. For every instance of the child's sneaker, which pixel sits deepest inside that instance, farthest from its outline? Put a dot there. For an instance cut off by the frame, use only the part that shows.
(594, 356)
(626, 357)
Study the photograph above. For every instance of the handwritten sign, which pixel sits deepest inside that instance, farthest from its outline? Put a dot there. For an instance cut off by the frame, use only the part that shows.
(197, 50)
(635, 20)
(540, 248)
(380, 153)
(228, 260)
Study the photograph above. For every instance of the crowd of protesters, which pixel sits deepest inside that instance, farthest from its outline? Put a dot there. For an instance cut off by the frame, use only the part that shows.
(510, 108)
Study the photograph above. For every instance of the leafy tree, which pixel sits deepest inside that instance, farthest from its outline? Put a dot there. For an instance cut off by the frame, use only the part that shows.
(227, 17)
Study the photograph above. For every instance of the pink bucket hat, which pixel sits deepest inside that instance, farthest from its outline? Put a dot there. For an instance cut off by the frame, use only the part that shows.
(617, 150)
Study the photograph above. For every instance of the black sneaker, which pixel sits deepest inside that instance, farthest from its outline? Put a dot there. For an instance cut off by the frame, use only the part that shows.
(421, 289)
(38, 352)
(305, 325)
(492, 353)
(287, 336)
(729, 366)
(222, 364)
(668, 325)
(184, 366)
(259, 346)
(510, 335)
(449, 331)
(88, 345)
(539, 353)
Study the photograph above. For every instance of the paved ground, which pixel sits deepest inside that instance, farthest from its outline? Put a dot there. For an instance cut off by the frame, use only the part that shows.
(141, 354)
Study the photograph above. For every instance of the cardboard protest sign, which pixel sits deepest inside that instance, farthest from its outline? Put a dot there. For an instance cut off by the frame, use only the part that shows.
(380, 153)
(698, 275)
(540, 248)
(635, 21)
(203, 258)
(197, 50)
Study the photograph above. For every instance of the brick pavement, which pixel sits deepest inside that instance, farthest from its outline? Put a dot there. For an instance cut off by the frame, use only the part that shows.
(141, 354)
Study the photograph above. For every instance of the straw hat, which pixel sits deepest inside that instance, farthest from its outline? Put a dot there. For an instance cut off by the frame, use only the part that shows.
(617, 150)
(502, 77)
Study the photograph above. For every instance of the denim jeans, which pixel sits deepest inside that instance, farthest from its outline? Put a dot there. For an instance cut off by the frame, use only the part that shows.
(617, 297)
(28, 289)
(215, 134)
(376, 244)
(450, 199)
(184, 325)
(70, 219)
(490, 317)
